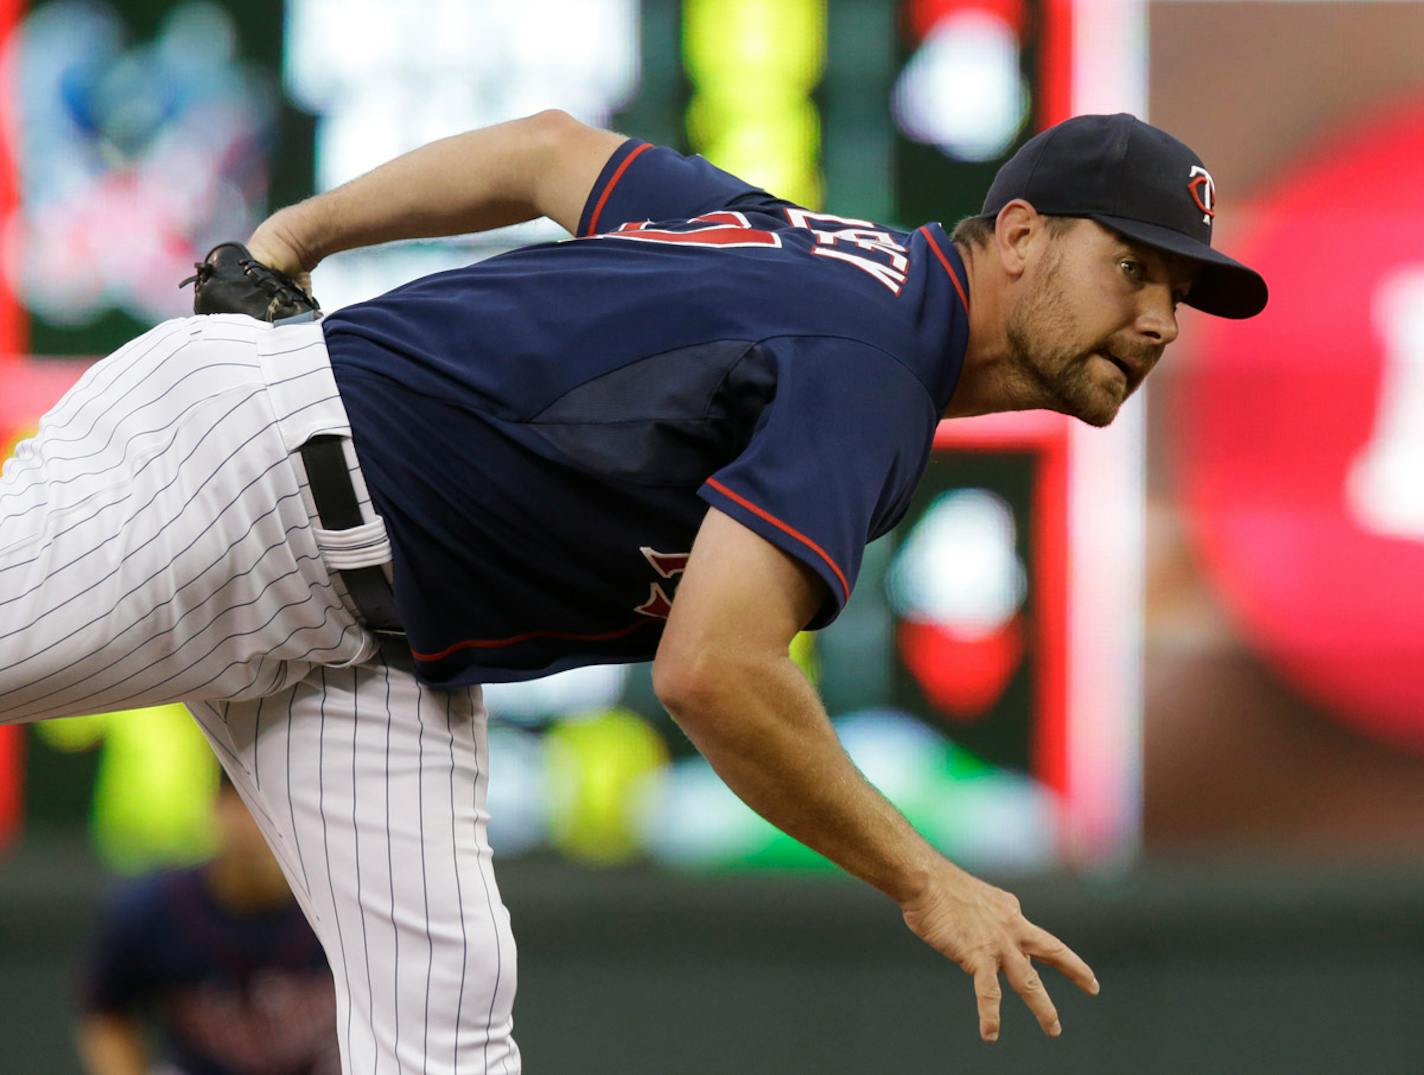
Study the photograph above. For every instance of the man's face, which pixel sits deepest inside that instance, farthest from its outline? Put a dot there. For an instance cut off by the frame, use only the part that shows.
(1094, 316)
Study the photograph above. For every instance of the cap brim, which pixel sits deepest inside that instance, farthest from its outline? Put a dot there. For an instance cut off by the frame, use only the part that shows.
(1224, 286)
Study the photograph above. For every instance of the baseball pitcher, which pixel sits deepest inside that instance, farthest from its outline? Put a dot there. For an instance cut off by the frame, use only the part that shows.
(668, 438)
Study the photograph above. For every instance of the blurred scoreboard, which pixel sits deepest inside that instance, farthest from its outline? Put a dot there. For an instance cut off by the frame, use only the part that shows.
(986, 673)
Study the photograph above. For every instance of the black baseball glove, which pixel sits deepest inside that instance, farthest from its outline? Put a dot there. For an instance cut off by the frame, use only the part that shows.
(230, 281)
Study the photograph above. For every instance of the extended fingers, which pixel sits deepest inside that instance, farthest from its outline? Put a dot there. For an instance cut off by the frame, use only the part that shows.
(986, 989)
(994, 935)
(1042, 945)
(1027, 984)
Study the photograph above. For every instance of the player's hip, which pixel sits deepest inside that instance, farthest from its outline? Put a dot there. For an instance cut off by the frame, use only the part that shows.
(159, 536)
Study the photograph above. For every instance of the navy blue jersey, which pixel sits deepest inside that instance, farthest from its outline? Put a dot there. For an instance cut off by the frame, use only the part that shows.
(543, 431)
(233, 994)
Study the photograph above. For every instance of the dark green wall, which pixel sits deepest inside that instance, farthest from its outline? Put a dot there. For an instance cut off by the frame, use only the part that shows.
(1204, 970)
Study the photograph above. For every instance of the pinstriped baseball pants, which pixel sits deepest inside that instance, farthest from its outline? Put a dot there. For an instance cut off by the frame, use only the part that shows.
(159, 542)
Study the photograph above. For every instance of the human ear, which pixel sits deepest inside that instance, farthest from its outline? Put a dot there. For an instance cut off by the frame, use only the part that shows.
(1014, 231)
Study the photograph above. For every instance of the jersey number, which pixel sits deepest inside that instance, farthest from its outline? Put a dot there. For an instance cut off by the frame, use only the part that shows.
(724, 228)
(872, 251)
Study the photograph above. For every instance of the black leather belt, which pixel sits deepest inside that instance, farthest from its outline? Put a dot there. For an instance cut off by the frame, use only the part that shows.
(339, 510)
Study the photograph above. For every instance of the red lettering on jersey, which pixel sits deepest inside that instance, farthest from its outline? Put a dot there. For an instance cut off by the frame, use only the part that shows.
(893, 279)
(723, 228)
(667, 565)
(884, 259)
(876, 252)
(726, 216)
(658, 604)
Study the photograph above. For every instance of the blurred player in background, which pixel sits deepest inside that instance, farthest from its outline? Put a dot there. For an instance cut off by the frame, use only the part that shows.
(220, 960)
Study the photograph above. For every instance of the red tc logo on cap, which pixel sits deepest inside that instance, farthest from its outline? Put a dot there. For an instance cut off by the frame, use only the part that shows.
(1203, 191)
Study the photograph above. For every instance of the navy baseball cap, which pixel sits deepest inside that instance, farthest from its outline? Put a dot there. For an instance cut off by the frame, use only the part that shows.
(1138, 181)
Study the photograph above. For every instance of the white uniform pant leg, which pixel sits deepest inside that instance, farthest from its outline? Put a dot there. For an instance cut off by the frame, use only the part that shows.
(155, 539)
(371, 789)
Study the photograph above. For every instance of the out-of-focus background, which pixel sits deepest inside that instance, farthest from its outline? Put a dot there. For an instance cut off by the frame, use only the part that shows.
(1165, 681)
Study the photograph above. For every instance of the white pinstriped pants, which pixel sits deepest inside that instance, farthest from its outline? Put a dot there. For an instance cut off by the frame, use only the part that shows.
(158, 542)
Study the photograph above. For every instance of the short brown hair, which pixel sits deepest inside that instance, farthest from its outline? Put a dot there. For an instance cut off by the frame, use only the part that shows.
(978, 230)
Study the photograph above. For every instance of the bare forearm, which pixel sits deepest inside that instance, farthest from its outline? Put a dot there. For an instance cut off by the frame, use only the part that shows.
(764, 730)
(474, 181)
(722, 671)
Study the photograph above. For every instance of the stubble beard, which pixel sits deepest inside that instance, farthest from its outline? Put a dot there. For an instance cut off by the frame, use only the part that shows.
(1055, 378)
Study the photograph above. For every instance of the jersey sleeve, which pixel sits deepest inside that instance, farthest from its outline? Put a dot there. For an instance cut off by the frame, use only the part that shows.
(833, 460)
(642, 181)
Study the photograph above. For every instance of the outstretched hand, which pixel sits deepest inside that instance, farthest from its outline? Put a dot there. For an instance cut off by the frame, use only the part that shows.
(982, 929)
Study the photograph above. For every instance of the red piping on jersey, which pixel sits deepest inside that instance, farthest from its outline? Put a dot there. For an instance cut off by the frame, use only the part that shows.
(764, 514)
(496, 643)
(612, 182)
(964, 298)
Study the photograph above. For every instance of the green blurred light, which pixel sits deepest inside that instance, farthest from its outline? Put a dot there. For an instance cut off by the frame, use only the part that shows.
(597, 765)
(773, 143)
(155, 785)
(779, 46)
(753, 65)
